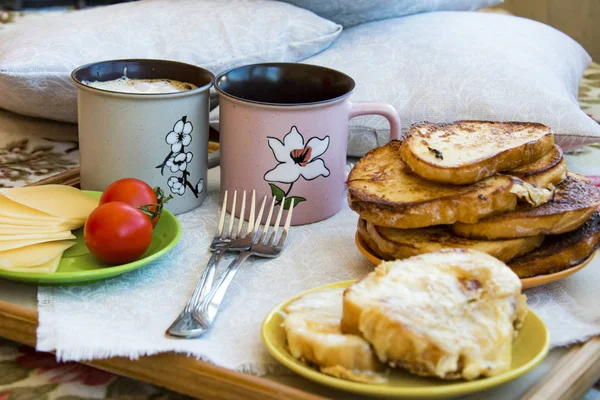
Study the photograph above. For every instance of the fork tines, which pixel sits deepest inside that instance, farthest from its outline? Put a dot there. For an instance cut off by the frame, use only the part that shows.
(268, 233)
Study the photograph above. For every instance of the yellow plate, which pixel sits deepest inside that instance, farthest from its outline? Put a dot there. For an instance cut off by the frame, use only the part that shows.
(526, 282)
(529, 349)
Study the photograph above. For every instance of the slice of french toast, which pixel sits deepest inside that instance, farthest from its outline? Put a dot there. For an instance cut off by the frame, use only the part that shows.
(560, 252)
(393, 243)
(466, 152)
(575, 200)
(450, 314)
(312, 326)
(381, 189)
(546, 172)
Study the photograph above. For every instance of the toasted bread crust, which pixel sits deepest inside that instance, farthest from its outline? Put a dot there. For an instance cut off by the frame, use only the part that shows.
(548, 161)
(538, 140)
(398, 244)
(575, 200)
(361, 229)
(551, 169)
(548, 178)
(560, 252)
(384, 191)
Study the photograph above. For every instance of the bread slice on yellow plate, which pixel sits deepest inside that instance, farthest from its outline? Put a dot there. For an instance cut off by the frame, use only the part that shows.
(560, 252)
(466, 152)
(575, 200)
(393, 243)
(450, 314)
(549, 170)
(381, 189)
(312, 326)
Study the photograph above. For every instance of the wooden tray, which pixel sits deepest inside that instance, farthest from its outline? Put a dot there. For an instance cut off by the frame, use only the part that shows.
(174, 371)
(573, 374)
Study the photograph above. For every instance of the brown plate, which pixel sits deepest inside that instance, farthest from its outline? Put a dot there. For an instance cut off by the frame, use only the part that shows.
(527, 282)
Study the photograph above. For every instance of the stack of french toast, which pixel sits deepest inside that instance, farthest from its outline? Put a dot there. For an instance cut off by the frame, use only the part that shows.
(499, 187)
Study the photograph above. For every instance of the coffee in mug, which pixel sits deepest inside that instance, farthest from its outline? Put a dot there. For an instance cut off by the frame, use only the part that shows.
(140, 86)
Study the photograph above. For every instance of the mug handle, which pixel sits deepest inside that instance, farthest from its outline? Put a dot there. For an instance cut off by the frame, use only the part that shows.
(214, 159)
(383, 109)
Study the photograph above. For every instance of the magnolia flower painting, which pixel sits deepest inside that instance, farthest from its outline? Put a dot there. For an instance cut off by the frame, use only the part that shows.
(178, 160)
(295, 159)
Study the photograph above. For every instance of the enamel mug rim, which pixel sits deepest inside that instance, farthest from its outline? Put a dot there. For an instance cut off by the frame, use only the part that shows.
(273, 75)
(144, 68)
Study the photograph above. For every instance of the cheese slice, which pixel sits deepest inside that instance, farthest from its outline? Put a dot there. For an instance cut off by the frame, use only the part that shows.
(20, 229)
(34, 255)
(28, 222)
(73, 224)
(34, 235)
(57, 200)
(12, 209)
(61, 226)
(49, 267)
(15, 244)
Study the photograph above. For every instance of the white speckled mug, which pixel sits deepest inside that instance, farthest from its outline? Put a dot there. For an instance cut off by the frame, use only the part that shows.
(161, 138)
(284, 132)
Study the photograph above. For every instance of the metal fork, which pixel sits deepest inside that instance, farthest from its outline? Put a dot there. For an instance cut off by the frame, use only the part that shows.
(266, 244)
(185, 325)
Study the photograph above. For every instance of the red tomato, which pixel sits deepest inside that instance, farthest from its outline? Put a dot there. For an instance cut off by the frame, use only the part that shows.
(117, 233)
(133, 192)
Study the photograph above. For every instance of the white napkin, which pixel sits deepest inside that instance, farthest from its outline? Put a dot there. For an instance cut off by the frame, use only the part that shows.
(127, 316)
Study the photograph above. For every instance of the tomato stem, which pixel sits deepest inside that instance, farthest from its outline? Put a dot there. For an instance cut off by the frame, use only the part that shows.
(155, 210)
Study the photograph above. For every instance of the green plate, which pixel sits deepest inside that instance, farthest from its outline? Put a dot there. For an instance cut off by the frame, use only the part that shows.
(78, 266)
(529, 349)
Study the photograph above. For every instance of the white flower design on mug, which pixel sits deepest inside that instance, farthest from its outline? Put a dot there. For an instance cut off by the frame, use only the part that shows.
(178, 159)
(296, 159)
(179, 162)
(176, 185)
(180, 136)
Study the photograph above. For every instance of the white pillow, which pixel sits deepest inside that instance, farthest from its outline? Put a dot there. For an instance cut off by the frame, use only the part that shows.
(37, 56)
(355, 12)
(448, 66)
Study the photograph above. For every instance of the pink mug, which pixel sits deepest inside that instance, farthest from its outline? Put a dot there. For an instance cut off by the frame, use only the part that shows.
(284, 132)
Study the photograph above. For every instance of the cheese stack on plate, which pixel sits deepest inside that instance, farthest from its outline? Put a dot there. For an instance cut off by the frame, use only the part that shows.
(36, 224)
(499, 187)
